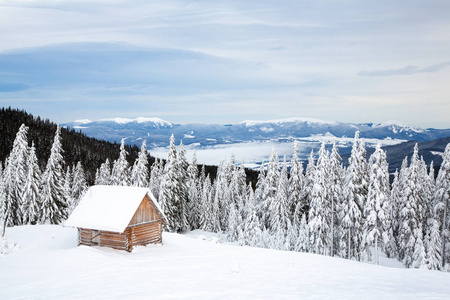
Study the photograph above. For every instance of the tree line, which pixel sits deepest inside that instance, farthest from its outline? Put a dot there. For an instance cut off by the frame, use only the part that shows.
(351, 212)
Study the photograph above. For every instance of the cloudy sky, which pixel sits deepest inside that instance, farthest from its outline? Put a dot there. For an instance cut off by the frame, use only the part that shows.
(228, 61)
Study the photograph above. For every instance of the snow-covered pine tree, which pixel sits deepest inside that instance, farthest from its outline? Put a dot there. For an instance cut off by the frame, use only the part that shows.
(68, 181)
(279, 210)
(206, 222)
(434, 248)
(376, 209)
(234, 222)
(269, 195)
(302, 244)
(238, 190)
(335, 190)
(79, 185)
(15, 176)
(169, 197)
(411, 215)
(32, 191)
(442, 205)
(354, 195)
(139, 172)
(183, 179)
(319, 219)
(295, 185)
(103, 177)
(307, 184)
(120, 174)
(251, 229)
(259, 193)
(394, 204)
(222, 197)
(193, 194)
(54, 205)
(155, 177)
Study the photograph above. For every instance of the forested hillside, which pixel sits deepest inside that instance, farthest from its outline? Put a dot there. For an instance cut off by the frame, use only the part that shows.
(76, 146)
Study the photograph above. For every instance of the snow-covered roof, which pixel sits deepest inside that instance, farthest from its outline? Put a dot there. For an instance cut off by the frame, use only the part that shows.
(109, 208)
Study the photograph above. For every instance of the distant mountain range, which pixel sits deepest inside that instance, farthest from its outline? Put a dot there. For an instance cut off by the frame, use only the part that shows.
(251, 140)
(157, 132)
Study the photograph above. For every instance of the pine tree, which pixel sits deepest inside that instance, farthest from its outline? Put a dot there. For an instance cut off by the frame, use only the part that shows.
(206, 222)
(251, 230)
(319, 220)
(68, 182)
(103, 177)
(234, 222)
(193, 194)
(169, 196)
(120, 174)
(79, 185)
(32, 191)
(54, 204)
(222, 197)
(394, 204)
(270, 190)
(279, 210)
(376, 209)
(442, 205)
(354, 195)
(307, 185)
(15, 175)
(295, 186)
(139, 172)
(335, 191)
(411, 215)
(259, 193)
(183, 179)
(155, 177)
(302, 244)
(434, 248)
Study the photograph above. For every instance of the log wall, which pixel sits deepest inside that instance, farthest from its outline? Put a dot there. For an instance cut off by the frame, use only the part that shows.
(142, 234)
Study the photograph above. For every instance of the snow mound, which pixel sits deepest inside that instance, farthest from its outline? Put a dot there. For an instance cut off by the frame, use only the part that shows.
(48, 265)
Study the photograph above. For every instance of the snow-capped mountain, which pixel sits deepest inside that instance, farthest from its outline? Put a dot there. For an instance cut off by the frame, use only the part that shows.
(157, 132)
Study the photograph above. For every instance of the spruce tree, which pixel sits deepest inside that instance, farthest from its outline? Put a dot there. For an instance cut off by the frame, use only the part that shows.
(354, 195)
(376, 209)
(155, 177)
(251, 230)
(319, 220)
(54, 204)
(411, 215)
(183, 178)
(193, 194)
(394, 204)
(302, 244)
(120, 174)
(32, 191)
(442, 205)
(270, 190)
(169, 197)
(139, 172)
(104, 174)
(79, 185)
(15, 175)
(335, 192)
(295, 186)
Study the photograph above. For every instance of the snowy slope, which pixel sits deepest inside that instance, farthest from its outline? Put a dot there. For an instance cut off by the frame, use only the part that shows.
(47, 264)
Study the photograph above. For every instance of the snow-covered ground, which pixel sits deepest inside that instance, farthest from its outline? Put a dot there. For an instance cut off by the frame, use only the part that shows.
(45, 263)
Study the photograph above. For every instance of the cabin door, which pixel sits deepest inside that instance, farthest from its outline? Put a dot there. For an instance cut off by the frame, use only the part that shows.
(95, 237)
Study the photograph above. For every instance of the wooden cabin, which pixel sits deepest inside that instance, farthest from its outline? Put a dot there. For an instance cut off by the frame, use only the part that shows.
(119, 217)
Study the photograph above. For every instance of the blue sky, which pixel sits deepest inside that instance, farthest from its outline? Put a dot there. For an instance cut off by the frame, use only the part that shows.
(228, 61)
